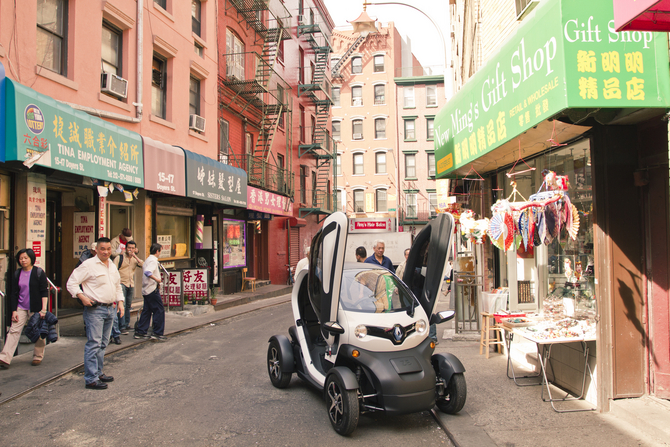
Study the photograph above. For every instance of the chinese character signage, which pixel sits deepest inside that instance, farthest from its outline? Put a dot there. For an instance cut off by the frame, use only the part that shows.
(195, 284)
(174, 289)
(547, 66)
(268, 202)
(166, 245)
(234, 243)
(210, 180)
(164, 168)
(70, 140)
(36, 210)
(84, 232)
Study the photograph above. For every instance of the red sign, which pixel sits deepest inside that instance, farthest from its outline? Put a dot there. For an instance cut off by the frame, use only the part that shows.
(37, 248)
(641, 15)
(370, 225)
(172, 294)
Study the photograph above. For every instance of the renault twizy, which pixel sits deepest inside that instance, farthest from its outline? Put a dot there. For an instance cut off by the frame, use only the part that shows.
(361, 334)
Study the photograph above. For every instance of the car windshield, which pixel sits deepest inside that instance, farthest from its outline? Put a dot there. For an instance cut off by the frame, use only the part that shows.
(373, 291)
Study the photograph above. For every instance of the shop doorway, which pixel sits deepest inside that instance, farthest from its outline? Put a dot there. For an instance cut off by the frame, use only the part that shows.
(53, 242)
(120, 217)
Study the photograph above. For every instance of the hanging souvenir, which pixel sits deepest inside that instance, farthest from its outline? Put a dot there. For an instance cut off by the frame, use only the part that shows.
(523, 227)
(511, 230)
(540, 229)
(497, 230)
(574, 228)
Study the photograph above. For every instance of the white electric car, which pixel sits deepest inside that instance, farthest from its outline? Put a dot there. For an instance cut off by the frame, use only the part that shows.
(361, 334)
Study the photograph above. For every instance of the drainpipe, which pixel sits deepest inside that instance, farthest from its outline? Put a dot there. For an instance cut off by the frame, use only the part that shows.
(138, 105)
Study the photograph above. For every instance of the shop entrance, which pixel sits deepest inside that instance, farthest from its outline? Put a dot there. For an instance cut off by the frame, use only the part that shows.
(120, 217)
(53, 242)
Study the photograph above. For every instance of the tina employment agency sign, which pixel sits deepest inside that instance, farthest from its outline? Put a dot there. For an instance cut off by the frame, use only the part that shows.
(565, 55)
(69, 140)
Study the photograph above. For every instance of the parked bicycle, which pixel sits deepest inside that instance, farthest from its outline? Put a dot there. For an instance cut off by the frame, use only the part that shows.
(289, 280)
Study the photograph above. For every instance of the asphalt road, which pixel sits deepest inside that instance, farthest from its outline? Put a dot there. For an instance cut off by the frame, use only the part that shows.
(206, 387)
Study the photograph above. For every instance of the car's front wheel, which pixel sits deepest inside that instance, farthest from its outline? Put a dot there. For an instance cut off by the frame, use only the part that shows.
(278, 376)
(342, 406)
(455, 393)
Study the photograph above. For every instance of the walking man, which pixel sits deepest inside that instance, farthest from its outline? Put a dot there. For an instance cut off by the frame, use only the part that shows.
(378, 256)
(126, 264)
(97, 284)
(153, 303)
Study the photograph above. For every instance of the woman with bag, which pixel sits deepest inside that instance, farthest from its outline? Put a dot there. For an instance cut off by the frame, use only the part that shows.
(30, 293)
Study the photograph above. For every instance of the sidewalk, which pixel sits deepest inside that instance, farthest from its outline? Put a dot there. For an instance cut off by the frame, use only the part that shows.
(67, 354)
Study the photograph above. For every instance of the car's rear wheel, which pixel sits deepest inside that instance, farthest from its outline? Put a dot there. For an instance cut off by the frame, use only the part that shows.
(342, 404)
(278, 376)
(455, 393)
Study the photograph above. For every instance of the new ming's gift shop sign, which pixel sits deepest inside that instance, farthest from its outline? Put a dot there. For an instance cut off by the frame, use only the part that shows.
(52, 134)
(566, 55)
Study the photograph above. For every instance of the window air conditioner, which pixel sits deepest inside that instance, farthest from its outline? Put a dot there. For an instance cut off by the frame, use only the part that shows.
(301, 19)
(358, 136)
(358, 102)
(114, 85)
(196, 122)
(431, 173)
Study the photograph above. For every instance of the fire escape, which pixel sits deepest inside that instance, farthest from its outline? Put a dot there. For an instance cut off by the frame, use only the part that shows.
(260, 95)
(316, 141)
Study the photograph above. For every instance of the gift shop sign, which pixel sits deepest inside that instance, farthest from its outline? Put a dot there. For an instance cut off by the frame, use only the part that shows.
(566, 54)
(69, 140)
(84, 232)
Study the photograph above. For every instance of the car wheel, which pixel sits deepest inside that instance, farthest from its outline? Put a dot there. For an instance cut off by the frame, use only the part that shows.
(278, 377)
(342, 406)
(453, 399)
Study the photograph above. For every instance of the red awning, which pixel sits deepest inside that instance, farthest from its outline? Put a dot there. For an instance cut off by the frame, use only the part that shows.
(642, 15)
(296, 222)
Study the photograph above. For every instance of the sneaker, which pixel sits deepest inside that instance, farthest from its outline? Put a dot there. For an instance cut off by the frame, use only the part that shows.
(124, 331)
(159, 337)
(117, 341)
(141, 336)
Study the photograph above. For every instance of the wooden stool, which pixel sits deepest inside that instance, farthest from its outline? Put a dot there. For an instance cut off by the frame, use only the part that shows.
(487, 327)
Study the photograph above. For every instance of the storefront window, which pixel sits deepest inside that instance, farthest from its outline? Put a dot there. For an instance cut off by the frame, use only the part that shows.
(174, 234)
(234, 243)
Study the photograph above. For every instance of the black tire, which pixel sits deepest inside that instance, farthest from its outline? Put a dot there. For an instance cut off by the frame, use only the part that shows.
(454, 395)
(278, 377)
(342, 406)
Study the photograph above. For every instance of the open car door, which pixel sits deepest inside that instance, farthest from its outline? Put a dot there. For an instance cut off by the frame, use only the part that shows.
(326, 260)
(427, 260)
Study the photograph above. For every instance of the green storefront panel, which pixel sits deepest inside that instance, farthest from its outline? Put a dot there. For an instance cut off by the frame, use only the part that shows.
(74, 141)
(564, 55)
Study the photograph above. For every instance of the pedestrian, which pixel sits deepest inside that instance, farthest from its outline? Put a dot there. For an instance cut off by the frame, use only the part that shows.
(153, 303)
(361, 254)
(97, 284)
(120, 241)
(126, 264)
(378, 256)
(30, 293)
(87, 254)
(302, 264)
(401, 268)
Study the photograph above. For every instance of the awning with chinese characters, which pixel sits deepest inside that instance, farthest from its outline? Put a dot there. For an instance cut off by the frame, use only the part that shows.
(210, 180)
(565, 55)
(164, 168)
(268, 202)
(69, 140)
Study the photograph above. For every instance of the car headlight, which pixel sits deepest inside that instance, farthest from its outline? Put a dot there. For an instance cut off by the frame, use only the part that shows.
(361, 331)
(421, 326)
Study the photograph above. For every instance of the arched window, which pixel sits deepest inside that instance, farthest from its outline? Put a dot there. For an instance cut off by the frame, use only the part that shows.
(234, 56)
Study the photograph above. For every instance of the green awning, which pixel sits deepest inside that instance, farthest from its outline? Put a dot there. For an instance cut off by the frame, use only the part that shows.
(70, 140)
(565, 55)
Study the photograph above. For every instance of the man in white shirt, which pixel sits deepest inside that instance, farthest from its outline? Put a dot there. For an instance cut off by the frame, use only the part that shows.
(153, 303)
(97, 284)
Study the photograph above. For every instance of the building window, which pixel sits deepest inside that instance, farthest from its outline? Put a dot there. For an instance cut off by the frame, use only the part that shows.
(234, 56)
(315, 202)
(338, 165)
(431, 165)
(159, 87)
(194, 96)
(280, 51)
(379, 63)
(199, 50)
(301, 67)
(357, 96)
(280, 99)
(357, 129)
(111, 49)
(429, 128)
(410, 133)
(178, 227)
(196, 17)
(336, 96)
(303, 184)
(410, 200)
(432, 198)
(408, 94)
(357, 65)
(337, 130)
(358, 164)
(431, 95)
(380, 163)
(52, 35)
(410, 165)
(342, 200)
(380, 199)
(223, 141)
(380, 97)
(249, 146)
(359, 201)
(380, 128)
(161, 3)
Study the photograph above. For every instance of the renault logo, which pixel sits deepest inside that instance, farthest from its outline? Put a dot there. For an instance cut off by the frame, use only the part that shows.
(397, 332)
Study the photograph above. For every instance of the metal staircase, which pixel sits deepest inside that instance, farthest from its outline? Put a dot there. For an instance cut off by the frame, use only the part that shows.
(336, 68)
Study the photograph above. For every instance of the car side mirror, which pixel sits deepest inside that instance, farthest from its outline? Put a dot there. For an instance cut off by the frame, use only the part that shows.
(443, 316)
(333, 327)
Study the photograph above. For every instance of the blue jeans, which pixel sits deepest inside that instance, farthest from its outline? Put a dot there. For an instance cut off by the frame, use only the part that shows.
(153, 306)
(98, 322)
(116, 332)
(128, 293)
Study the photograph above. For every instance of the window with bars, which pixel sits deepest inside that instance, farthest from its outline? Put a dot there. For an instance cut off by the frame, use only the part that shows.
(359, 201)
(380, 163)
(380, 128)
(380, 94)
(410, 165)
(358, 164)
